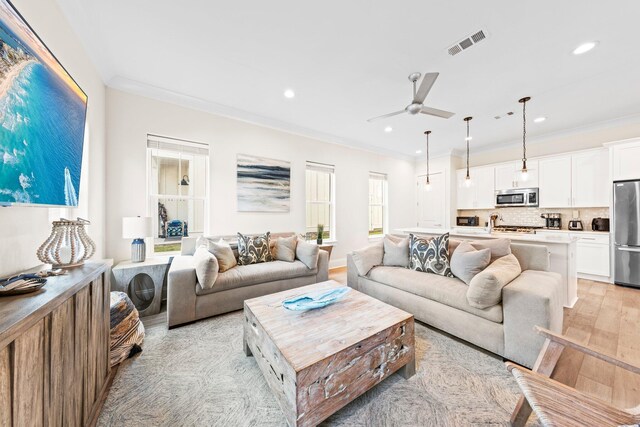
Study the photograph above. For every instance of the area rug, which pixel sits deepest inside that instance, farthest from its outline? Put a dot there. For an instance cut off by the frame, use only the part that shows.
(198, 375)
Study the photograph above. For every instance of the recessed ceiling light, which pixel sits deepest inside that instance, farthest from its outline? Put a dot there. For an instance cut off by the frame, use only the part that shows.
(584, 48)
(388, 129)
(289, 93)
(539, 119)
(418, 151)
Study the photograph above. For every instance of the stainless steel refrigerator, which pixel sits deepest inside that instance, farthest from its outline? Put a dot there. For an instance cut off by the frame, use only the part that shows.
(626, 223)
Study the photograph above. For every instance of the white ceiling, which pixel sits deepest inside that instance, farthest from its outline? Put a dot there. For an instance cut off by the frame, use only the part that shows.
(349, 60)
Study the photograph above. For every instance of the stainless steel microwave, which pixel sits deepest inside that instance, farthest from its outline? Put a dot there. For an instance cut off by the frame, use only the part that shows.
(527, 197)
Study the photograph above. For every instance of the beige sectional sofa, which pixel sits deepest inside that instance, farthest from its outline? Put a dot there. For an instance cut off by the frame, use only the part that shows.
(188, 301)
(507, 329)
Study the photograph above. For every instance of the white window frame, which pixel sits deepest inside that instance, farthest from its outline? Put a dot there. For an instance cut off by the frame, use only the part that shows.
(385, 204)
(177, 145)
(330, 169)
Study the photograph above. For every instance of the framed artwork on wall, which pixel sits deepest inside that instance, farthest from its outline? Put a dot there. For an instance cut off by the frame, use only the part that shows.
(264, 185)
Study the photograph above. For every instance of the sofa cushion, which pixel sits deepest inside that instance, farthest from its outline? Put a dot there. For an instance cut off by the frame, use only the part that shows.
(430, 255)
(254, 249)
(206, 267)
(485, 289)
(396, 251)
(367, 258)
(284, 248)
(499, 247)
(467, 261)
(223, 253)
(445, 290)
(253, 274)
(308, 253)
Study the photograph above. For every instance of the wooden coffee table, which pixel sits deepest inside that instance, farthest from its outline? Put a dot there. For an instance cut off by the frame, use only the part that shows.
(318, 361)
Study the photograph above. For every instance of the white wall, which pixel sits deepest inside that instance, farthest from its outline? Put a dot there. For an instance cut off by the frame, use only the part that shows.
(446, 164)
(23, 229)
(130, 118)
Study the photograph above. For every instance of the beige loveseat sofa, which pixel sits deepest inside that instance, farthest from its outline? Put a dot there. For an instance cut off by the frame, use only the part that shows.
(187, 301)
(507, 329)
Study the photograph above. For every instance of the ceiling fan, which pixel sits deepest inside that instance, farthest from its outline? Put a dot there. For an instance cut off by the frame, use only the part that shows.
(419, 95)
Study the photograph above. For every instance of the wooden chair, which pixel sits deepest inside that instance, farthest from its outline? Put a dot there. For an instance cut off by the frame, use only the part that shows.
(556, 404)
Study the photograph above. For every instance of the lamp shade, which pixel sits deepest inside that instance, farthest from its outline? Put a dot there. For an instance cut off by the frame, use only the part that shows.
(136, 227)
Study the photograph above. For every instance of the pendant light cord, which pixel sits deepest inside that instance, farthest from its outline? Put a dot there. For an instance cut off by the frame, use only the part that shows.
(467, 148)
(427, 156)
(524, 132)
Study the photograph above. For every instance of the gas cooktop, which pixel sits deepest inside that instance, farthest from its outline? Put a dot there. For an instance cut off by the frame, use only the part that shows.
(531, 229)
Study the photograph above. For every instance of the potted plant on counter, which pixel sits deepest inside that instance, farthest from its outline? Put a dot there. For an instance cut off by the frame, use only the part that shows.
(320, 233)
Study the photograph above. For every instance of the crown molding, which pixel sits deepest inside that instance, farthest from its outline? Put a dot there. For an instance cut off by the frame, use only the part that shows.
(160, 94)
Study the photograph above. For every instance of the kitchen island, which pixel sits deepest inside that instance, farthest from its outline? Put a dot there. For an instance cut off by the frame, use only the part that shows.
(561, 247)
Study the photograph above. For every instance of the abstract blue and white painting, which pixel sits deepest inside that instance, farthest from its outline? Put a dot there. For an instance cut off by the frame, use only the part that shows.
(264, 185)
(42, 119)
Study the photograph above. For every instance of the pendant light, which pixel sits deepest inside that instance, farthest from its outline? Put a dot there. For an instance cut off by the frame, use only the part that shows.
(467, 179)
(524, 173)
(427, 184)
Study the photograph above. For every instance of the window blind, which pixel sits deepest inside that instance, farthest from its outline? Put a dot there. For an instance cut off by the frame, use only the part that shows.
(320, 167)
(179, 145)
(379, 176)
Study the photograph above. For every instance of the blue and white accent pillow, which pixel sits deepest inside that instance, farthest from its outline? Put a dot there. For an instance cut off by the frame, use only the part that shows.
(430, 255)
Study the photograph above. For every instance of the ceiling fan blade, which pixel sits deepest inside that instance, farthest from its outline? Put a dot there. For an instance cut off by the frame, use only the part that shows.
(427, 83)
(385, 116)
(435, 112)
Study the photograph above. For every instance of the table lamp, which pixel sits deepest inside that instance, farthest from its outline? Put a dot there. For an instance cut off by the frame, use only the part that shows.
(137, 228)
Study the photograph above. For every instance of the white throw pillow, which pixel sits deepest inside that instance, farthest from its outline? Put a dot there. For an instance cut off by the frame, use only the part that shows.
(206, 267)
(223, 253)
(467, 261)
(499, 247)
(485, 289)
(285, 248)
(396, 251)
(367, 258)
(308, 253)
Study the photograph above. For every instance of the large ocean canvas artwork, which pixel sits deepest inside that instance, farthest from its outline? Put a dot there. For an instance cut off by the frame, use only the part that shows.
(42, 119)
(264, 185)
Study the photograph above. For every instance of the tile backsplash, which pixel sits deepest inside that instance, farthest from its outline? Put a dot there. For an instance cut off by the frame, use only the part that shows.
(531, 216)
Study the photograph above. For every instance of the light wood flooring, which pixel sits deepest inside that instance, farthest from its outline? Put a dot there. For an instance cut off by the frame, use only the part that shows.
(606, 317)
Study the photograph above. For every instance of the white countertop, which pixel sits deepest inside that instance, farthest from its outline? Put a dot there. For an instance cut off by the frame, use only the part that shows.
(483, 233)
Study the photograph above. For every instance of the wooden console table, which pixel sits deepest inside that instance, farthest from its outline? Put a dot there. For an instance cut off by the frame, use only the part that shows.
(54, 350)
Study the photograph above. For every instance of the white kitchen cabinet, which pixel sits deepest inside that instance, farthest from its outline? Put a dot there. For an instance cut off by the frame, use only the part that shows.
(592, 251)
(479, 194)
(508, 176)
(592, 254)
(625, 160)
(465, 193)
(590, 179)
(554, 181)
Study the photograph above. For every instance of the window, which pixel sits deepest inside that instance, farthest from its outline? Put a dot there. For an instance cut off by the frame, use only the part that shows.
(320, 189)
(178, 190)
(377, 204)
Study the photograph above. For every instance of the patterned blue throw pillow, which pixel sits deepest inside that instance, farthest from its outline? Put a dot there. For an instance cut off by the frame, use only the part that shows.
(430, 255)
(252, 250)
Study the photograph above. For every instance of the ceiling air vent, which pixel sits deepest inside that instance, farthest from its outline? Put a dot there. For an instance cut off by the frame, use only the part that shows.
(467, 42)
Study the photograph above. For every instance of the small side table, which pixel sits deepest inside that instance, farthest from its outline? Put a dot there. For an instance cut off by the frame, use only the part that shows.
(325, 247)
(142, 282)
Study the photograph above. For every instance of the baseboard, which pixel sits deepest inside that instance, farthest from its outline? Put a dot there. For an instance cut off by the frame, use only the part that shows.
(337, 263)
(97, 406)
(595, 278)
